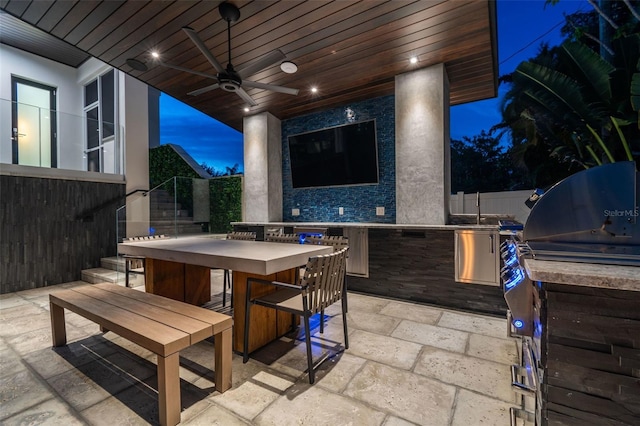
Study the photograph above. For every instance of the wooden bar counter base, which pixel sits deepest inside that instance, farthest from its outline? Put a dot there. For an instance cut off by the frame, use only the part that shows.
(178, 281)
(266, 324)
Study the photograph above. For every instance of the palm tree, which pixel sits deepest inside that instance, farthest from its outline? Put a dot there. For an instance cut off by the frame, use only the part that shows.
(576, 103)
(571, 106)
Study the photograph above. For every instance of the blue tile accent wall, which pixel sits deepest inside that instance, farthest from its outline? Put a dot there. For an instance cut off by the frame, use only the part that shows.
(359, 202)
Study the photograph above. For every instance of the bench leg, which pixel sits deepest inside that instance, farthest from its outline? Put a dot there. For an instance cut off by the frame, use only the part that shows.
(223, 355)
(169, 389)
(58, 329)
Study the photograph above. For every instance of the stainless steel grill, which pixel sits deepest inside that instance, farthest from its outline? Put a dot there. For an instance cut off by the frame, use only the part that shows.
(591, 216)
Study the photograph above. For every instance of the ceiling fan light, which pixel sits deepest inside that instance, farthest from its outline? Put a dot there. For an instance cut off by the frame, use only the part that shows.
(288, 67)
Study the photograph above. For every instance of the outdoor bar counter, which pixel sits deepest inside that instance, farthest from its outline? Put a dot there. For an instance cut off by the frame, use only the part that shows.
(589, 338)
(404, 261)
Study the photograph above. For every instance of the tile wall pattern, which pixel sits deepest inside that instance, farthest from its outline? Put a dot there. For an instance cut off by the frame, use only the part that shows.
(41, 240)
(359, 202)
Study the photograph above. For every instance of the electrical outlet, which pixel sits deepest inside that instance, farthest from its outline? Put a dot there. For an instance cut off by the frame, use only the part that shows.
(340, 210)
(295, 212)
(379, 211)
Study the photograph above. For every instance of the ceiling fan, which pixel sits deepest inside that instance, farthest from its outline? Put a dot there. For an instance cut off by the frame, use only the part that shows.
(228, 78)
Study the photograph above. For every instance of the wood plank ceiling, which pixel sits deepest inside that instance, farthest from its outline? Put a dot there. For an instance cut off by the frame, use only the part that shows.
(349, 50)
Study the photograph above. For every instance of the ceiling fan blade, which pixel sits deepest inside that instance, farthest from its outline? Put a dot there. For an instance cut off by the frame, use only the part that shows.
(200, 45)
(271, 87)
(266, 61)
(203, 90)
(179, 68)
(245, 96)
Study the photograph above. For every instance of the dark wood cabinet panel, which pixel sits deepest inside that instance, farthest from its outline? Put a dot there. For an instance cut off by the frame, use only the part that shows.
(590, 356)
(418, 265)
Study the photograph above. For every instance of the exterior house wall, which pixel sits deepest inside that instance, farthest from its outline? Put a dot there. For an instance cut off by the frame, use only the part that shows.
(69, 100)
(42, 240)
(134, 113)
(57, 222)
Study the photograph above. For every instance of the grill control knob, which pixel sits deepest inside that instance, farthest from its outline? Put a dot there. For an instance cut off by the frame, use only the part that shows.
(507, 274)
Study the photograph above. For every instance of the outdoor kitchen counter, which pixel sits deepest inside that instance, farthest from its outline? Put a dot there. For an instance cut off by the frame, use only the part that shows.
(615, 277)
(405, 261)
(589, 342)
(369, 225)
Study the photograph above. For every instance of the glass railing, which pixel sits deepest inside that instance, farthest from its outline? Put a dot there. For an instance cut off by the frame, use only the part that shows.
(180, 207)
(170, 209)
(41, 137)
(177, 207)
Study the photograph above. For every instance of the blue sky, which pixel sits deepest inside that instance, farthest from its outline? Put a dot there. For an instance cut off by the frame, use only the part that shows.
(522, 26)
(205, 139)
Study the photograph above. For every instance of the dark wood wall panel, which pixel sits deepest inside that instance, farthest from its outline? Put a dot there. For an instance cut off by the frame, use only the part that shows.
(41, 241)
(419, 266)
(591, 355)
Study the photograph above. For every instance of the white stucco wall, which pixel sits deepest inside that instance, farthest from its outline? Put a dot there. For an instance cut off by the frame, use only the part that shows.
(69, 100)
(132, 125)
(69, 83)
(134, 116)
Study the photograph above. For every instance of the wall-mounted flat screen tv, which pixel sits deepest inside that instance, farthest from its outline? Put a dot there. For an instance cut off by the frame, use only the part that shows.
(341, 155)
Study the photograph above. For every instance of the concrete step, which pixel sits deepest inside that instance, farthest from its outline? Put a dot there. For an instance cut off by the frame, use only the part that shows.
(102, 275)
(168, 228)
(161, 195)
(165, 205)
(114, 263)
(169, 215)
(106, 275)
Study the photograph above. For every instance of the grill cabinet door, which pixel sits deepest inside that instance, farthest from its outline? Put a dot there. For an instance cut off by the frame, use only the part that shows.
(476, 257)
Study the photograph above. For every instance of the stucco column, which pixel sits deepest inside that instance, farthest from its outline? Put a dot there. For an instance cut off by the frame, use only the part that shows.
(422, 146)
(134, 108)
(262, 193)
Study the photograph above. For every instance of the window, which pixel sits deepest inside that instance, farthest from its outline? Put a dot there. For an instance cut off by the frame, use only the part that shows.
(101, 138)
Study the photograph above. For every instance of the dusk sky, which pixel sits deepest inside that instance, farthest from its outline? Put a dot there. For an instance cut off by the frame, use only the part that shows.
(522, 26)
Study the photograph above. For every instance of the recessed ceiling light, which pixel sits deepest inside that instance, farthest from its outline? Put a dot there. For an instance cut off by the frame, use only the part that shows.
(246, 109)
(155, 54)
(314, 90)
(413, 60)
(288, 67)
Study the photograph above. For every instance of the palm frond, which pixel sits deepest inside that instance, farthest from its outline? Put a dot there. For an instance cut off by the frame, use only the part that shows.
(601, 143)
(623, 140)
(593, 154)
(592, 66)
(554, 90)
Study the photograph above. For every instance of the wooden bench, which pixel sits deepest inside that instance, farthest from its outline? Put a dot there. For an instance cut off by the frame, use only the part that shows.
(156, 323)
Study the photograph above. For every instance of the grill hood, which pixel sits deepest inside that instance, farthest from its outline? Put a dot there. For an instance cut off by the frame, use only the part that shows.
(593, 214)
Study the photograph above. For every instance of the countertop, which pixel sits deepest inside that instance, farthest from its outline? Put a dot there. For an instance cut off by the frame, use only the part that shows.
(256, 257)
(368, 225)
(615, 277)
